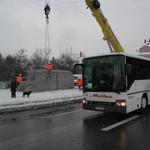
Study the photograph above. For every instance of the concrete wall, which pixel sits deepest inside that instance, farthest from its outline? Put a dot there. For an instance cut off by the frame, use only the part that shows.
(43, 80)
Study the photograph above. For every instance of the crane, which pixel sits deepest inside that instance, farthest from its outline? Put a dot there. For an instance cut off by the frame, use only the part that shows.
(109, 36)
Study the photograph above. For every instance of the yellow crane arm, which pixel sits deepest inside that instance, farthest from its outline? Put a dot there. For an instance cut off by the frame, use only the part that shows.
(94, 5)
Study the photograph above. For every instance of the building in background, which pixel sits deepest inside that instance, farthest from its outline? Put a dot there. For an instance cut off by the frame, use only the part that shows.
(145, 50)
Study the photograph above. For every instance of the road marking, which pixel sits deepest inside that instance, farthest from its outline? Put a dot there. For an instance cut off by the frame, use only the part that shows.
(120, 123)
(62, 114)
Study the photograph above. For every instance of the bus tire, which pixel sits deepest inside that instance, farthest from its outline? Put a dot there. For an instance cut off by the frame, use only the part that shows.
(143, 102)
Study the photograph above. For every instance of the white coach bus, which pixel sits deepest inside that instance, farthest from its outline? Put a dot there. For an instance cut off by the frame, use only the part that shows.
(116, 83)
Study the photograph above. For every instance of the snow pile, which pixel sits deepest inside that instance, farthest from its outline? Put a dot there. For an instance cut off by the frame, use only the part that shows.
(38, 98)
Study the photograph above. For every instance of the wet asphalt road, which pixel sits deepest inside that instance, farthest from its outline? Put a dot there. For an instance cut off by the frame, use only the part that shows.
(74, 129)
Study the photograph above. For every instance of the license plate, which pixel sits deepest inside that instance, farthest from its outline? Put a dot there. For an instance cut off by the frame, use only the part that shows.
(99, 108)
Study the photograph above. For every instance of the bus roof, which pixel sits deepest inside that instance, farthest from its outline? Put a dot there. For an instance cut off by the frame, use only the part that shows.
(123, 54)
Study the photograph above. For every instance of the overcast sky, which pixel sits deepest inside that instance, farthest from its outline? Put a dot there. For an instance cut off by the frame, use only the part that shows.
(22, 25)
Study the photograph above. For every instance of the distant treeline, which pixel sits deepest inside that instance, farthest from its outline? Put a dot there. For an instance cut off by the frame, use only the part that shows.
(21, 63)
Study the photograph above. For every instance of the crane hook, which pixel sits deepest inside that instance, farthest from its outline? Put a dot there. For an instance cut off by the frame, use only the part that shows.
(47, 10)
(96, 4)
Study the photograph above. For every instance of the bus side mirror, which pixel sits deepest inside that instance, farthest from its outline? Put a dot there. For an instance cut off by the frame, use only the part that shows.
(128, 68)
(78, 68)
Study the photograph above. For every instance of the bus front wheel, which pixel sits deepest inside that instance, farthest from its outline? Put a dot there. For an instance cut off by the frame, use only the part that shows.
(143, 103)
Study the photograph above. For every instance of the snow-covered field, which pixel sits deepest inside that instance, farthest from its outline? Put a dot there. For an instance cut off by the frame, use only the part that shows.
(37, 98)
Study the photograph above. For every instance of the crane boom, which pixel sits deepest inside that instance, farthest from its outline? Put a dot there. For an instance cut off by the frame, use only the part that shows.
(94, 6)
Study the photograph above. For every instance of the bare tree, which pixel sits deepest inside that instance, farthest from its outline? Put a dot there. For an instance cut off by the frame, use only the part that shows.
(64, 62)
(13, 65)
(22, 59)
(40, 58)
(2, 76)
(9, 67)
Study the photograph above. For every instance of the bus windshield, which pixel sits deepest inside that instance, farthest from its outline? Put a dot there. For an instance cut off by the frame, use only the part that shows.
(104, 74)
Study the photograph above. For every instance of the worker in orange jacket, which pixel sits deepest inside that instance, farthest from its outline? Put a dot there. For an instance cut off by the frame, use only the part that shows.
(79, 83)
(19, 79)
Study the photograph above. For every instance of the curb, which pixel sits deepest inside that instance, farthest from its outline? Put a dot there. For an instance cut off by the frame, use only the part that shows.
(38, 105)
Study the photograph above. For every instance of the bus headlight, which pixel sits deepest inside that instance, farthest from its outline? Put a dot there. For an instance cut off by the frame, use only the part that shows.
(121, 102)
(84, 101)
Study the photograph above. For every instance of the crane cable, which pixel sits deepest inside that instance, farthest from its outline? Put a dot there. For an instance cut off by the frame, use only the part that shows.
(47, 11)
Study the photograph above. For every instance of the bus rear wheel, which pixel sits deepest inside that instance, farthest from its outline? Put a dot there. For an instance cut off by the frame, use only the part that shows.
(143, 103)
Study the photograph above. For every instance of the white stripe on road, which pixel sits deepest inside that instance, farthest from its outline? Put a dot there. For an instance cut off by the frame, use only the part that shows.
(62, 114)
(119, 123)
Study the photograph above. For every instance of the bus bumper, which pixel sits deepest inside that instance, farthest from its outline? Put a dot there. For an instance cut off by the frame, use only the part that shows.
(105, 107)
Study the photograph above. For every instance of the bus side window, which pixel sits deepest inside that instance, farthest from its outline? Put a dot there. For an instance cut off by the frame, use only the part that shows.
(131, 71)
(128, 68)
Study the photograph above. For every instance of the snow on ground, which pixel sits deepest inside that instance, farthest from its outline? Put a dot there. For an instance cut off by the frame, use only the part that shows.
(37, 98)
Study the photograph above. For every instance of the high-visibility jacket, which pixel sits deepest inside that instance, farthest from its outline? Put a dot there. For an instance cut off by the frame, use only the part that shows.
(79, 82)
(19, 78)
